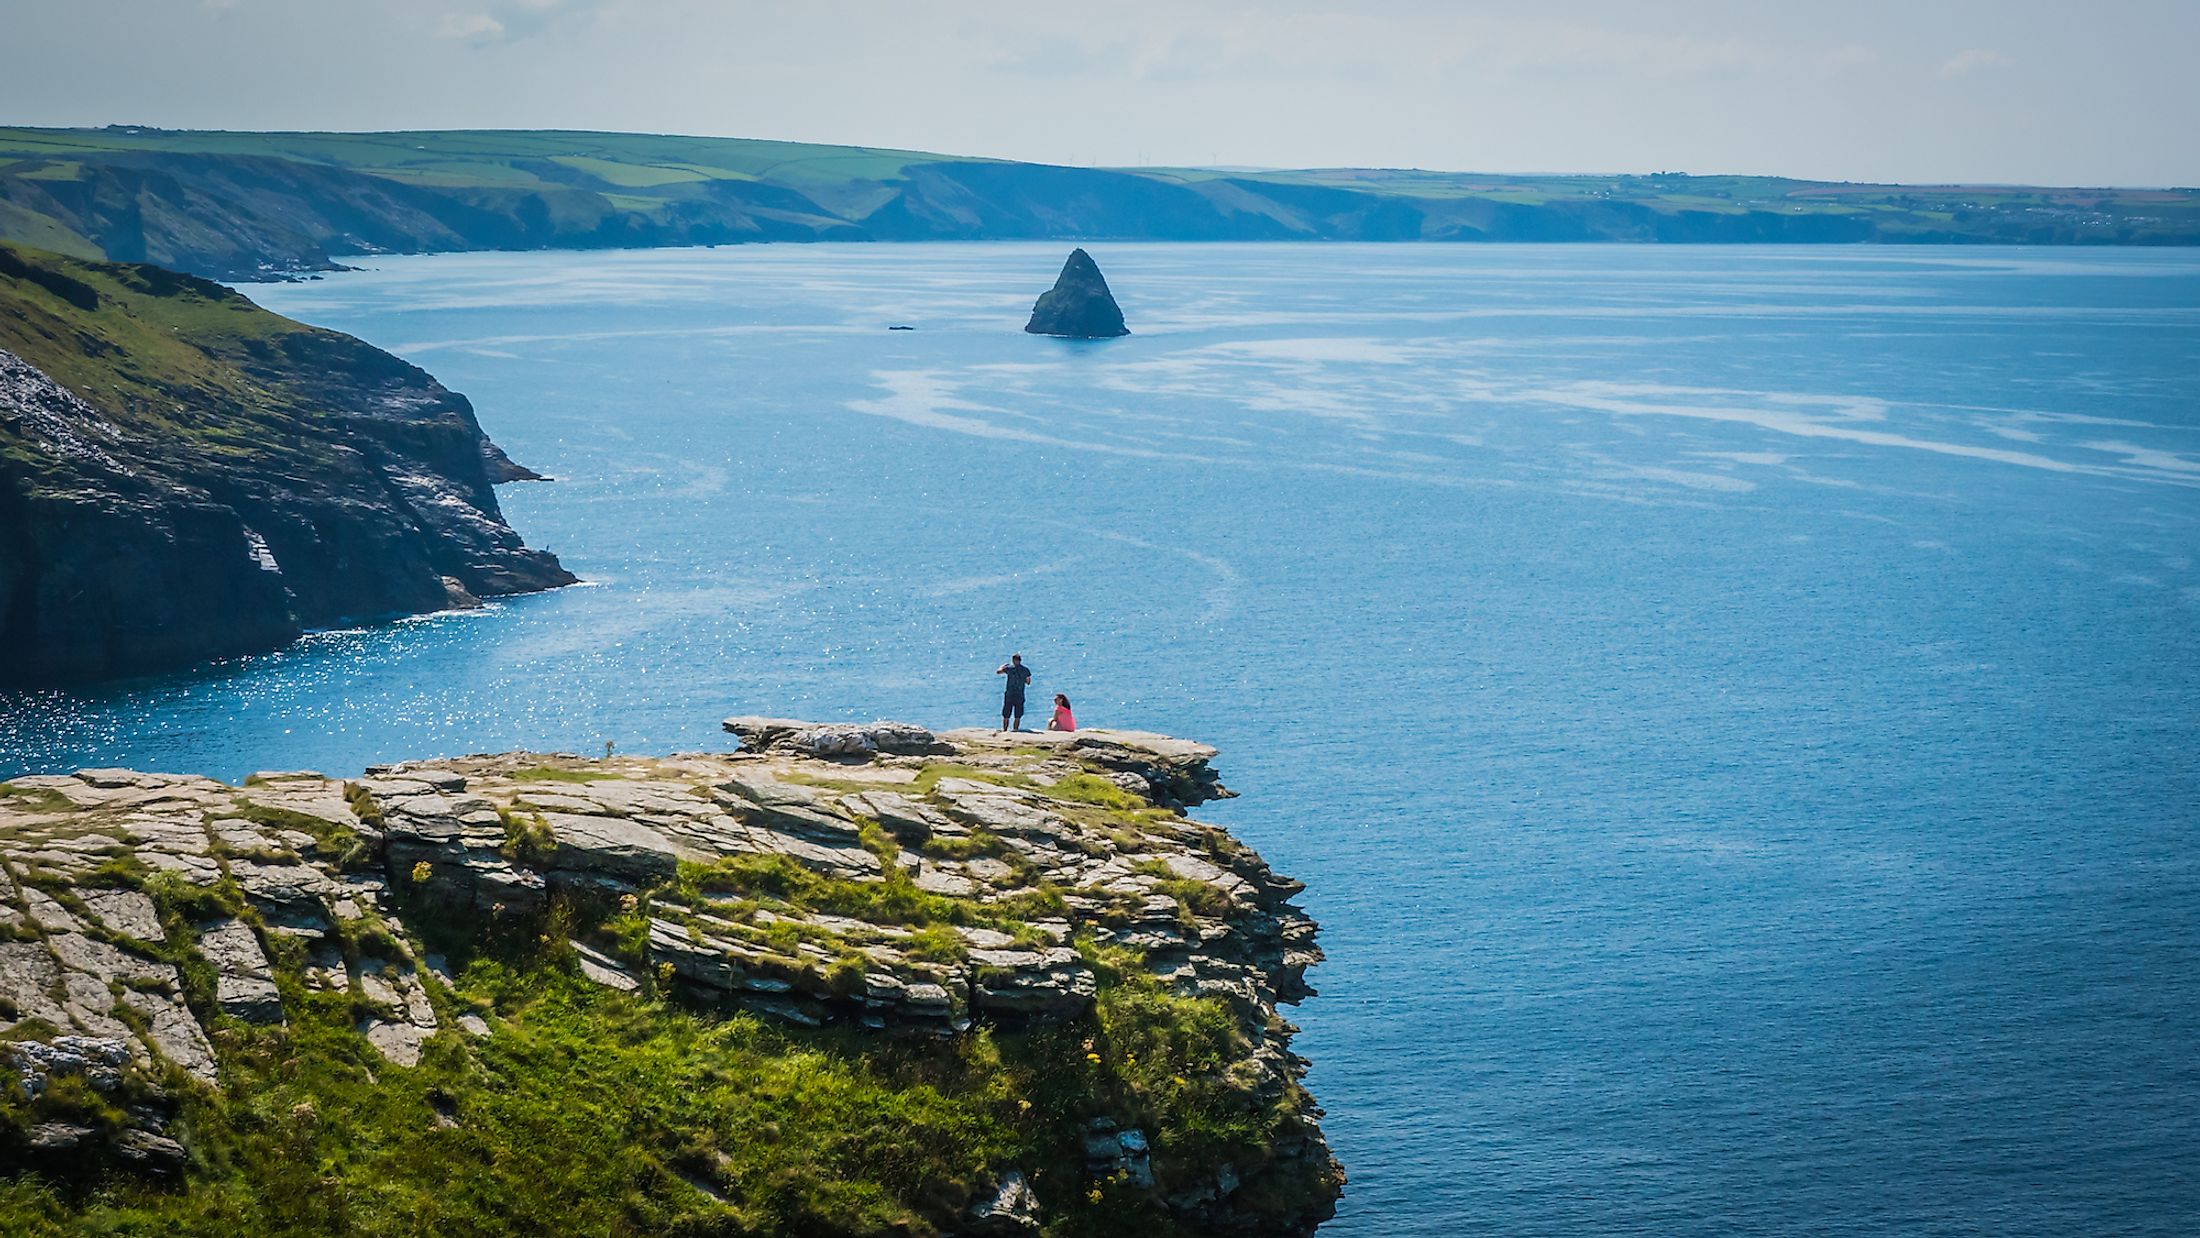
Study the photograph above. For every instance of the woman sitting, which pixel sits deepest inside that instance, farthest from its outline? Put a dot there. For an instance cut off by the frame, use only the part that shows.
(1063, 719)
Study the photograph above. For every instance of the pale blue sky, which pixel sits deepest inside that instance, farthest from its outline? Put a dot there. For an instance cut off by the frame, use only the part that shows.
(2097, 92)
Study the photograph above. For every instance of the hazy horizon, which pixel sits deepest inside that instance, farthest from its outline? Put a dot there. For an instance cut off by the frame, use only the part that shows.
(1589, 173)
(1964, 92)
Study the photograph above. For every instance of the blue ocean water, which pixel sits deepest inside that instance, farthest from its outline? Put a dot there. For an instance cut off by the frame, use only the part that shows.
(1736, 709)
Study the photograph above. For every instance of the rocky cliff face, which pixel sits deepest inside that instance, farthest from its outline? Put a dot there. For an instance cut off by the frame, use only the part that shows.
(184, 475)
(1079, 305)
(1013, 989)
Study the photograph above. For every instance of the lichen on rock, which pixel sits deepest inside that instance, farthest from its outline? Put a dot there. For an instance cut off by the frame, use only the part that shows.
(1016, 989)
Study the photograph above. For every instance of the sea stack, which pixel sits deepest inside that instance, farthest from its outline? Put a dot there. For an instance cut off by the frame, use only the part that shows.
(1079, 305)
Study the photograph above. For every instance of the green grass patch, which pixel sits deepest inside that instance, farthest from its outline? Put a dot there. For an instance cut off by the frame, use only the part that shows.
(779, 883)
(969, 847)
(34, 799)
(929, 776)
(1193, 898)
(1093, 789)
(334, 840)
(363, 805)
(527, 839)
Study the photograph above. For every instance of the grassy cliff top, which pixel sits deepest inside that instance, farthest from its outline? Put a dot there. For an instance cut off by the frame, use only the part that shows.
(644, 161)
(236, 204)
(857, 981)
(186, 368)
(184, 475)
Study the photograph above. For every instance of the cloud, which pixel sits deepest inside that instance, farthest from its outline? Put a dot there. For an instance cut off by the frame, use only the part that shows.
(476, 28)
(509, 21)
(1971, 59)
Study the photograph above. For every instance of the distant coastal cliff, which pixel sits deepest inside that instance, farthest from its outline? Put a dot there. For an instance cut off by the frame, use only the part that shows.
(184, 475)
(261, 205)
(851, 980)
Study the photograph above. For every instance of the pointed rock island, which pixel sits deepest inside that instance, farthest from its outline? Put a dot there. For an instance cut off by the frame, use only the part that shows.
(853, 979)
(1079, 305)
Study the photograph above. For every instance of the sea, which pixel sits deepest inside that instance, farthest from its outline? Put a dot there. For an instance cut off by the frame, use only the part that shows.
(1736, 710)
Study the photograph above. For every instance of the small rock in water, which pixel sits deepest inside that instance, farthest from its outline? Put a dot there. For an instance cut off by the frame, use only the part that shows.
(1079, 305)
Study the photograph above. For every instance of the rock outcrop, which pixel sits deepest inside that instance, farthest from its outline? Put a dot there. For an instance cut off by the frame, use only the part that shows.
(878, 881)
(184, 475)
(1079, 305)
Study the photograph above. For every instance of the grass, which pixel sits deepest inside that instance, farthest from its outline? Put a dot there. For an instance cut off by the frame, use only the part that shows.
(77, 190)
(968, 847)
(586, 1114)
(363, 805)
(1193, 898)
(595, 1112)
(774, 881)
(187, 367)
(1093, 789)
(34, 799)
(589, 1111)
(528, 839)
(335, 841)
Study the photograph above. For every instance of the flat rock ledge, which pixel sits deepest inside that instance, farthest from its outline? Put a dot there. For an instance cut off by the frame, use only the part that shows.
(1051, 851)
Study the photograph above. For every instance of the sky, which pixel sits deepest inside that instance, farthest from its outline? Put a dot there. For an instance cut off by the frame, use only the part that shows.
(2087, 92)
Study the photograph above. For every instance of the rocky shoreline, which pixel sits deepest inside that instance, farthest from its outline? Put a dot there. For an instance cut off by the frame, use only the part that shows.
(186, 476)
(879, 882)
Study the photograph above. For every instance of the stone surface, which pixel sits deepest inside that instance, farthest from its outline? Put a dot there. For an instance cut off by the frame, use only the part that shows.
(127, 912)
(1008, 1208)
(787, 881)
(246, 986)
(1079, 305)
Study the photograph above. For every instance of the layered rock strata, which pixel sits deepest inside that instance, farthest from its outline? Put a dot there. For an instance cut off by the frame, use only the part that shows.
(184, 475)
(882, 879)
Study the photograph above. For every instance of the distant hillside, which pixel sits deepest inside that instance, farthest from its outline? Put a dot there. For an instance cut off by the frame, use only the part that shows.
(246, 205)
(184, 475)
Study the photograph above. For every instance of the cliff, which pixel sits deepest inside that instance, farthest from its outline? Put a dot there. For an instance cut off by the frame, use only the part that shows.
(852, 980)
(184, 475)
(261, 205)
(1079, 304)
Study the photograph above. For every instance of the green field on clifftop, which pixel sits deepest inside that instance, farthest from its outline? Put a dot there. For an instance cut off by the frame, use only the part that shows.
(236, 205)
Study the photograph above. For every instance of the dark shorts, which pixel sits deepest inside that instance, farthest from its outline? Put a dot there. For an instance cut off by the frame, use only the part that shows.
(1013, 703)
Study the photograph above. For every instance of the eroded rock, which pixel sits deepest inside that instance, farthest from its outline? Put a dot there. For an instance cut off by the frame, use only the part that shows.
(1079, 305)
(881, 878)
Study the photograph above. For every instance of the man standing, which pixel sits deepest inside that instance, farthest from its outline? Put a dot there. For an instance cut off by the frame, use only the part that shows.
(1012, 699)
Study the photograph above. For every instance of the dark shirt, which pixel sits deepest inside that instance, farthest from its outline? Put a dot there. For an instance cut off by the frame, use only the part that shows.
(1018, 676)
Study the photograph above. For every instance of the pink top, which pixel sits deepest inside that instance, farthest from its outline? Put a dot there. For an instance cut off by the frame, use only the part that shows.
(1064, 720)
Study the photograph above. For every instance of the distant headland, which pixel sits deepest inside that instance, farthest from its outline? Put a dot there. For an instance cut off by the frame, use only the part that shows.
(184, 475)
(232, 205)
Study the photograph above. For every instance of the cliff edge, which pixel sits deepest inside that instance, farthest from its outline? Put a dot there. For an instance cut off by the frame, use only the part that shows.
(184, 475)
(851, 980)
